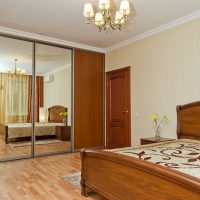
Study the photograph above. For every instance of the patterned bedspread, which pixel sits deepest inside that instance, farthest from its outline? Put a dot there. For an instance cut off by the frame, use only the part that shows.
(182, 155)
(17, 130)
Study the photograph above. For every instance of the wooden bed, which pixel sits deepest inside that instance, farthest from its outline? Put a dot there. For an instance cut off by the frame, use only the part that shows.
(54, 113)
(116, 176)
(24, 130)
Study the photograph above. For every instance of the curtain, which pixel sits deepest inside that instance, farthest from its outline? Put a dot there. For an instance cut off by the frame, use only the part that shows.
(13, 98)
(16, 98)
(39, 97)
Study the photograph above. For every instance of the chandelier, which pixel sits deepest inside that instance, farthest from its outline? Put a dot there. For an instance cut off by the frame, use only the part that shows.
(103, 19)
(16, 71)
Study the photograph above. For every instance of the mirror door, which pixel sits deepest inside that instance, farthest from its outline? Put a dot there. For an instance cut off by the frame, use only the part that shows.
(52, 100)
(15, 98)
(35, 99)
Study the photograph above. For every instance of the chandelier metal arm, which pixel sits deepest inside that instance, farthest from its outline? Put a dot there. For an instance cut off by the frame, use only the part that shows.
(115, 26)
(89, 20)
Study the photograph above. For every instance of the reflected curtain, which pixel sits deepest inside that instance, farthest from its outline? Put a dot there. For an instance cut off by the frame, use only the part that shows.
(39, 97)
(13, 98)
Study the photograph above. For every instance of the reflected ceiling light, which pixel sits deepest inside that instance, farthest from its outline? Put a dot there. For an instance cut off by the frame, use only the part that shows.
(16, 71)
(103, 19)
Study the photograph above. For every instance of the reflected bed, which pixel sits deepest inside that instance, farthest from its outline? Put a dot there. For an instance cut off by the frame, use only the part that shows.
(24, 130)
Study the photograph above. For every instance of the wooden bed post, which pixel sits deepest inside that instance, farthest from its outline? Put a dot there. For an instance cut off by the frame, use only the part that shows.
(84, 190)
(6, 134)
(178, 121)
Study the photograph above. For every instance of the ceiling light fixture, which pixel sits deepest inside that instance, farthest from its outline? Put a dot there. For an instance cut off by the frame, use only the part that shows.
(16, 71)
(103, 19)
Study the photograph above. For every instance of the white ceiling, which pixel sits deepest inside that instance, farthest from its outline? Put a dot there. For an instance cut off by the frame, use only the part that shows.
(63, 19)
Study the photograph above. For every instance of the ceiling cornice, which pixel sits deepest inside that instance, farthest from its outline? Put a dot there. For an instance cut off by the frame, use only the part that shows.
(28, 35)
(161, 28)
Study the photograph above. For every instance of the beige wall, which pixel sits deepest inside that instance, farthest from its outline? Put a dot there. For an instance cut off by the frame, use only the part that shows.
(58, 92)
(165, 72)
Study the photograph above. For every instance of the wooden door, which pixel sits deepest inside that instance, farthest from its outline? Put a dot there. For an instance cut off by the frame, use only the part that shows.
(118, 108)
(88, 99)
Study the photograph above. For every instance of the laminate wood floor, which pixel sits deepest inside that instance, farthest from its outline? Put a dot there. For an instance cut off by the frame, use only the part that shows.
(40, 179)
(9, 151)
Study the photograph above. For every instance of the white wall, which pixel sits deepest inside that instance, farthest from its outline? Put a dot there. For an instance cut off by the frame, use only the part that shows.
(58, 92)
(165, 72)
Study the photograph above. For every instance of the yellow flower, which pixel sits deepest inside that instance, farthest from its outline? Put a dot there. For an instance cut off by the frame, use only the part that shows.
(158, 122)
(154, 116)
(63, 113)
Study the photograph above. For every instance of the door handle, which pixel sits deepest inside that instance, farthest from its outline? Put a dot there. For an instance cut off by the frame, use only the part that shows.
(125, 111)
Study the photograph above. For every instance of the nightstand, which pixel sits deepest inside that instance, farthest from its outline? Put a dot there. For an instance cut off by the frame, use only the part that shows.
(154, 140)
(63, 133)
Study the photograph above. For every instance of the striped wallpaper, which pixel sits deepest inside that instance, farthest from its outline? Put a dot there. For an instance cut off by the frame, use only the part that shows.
(165, 72)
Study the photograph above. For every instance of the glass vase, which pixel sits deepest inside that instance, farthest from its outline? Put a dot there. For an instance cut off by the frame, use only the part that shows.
(64, 121)
(157, 135)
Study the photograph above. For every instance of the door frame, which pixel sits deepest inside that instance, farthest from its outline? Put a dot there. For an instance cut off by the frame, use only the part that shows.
(128, 69)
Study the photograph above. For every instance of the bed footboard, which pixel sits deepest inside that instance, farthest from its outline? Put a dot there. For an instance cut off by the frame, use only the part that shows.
(117, 177)
(4, 132)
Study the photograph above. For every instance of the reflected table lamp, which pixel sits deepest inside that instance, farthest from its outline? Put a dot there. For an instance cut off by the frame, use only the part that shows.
(42, 114)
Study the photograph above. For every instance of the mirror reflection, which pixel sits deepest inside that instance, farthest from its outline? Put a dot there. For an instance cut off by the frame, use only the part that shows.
(15, 98)
(53, 99)
(52, 92)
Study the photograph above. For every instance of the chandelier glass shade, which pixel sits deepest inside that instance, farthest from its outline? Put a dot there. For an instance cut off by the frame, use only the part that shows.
(103, 19)
(16, 71)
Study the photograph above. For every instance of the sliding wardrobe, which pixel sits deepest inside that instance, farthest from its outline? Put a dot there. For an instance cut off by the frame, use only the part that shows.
(88, 99)
(35, 99)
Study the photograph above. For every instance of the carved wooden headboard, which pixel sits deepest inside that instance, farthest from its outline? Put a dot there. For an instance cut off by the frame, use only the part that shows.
(188, 121)
(54, 113)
